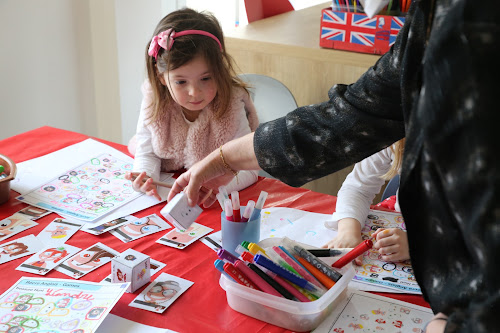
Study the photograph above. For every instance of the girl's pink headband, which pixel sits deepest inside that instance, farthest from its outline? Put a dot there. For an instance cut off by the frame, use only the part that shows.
(165, 40)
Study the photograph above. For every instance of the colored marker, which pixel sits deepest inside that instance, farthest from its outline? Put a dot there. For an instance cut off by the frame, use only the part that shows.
(226, 255)
(274, 284)
(256, 279)
(325, 252)
(222, 189)
(245, 244)
(247, 256)
(285, 284)
(235, 200)
(248, 211)
(269, 264)
(316, 262)
(228, 209)
(238, 276)
(354, 253)
(254, 249)
(325, 280)
(259, 205)
(219, 264)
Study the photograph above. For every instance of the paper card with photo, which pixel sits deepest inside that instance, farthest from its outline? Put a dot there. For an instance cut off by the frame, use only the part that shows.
(182, 238)
(58, 232)
(140, 227)
(87, 260)
(47, 259)
(14, 224)
(161, 293)
(34, 213)
(213, 241)
(20, 247)
(155, 267)
(97, 229)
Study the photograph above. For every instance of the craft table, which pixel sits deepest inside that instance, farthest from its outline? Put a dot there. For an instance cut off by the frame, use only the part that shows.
(203, 307)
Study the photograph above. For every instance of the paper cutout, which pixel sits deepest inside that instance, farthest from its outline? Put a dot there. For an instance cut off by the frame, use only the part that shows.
(182, 238)
(138, 228)
(213, 241)
(47, 259)
(20, 247)
(102, 227)
(14, 224)
(58, 232)
(34, 213)
(86, 192)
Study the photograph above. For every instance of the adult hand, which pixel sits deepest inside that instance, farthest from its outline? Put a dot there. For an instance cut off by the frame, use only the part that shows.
(142, 183)
(392, 244)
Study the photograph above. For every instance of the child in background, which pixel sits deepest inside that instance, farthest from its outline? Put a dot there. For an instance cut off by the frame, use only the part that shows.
(353, 204)
(193, 102)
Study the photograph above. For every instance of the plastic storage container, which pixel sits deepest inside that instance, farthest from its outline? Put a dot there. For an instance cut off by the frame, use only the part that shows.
(292, 315)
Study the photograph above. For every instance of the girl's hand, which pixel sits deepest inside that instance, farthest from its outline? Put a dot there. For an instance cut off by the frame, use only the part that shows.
(143, 183)
(348, 236)
(437, 324)
(392, 244)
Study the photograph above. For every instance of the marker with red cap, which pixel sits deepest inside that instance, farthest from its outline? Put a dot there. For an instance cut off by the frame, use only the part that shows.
(354, 253)
(228, 209)
(235, 200)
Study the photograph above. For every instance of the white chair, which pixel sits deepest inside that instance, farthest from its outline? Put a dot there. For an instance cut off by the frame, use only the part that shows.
(272, 99)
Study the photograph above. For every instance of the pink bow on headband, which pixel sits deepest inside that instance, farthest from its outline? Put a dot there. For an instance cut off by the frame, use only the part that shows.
(165, 40)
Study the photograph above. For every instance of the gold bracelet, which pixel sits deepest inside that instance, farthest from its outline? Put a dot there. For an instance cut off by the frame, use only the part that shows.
(235, 173)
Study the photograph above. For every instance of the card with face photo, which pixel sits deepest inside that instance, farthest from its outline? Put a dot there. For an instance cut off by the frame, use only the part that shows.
(46, 259)
(58, 232)
(139, 228)
(14, 224)
(34, 213)
(20, 247)
(155, 266)
(161, 293)
(213, 241)
(87, 260)
(182, 238)
(97, 229)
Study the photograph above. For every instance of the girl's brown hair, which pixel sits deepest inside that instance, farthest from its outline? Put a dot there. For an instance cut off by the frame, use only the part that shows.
(398, 150)
(185, 49)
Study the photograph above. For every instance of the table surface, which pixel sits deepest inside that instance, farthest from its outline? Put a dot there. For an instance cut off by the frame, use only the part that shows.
(203, 307)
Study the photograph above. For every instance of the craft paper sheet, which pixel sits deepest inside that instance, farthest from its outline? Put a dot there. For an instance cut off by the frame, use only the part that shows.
(100, 228)
(397, 275)
(161, 293)
(47, 259)
(182, 238)
(19, 247)
(88, 191)
(58, 232)
(57, 305)
(87, 260)
(140, 227)
(14, 224)
(42, 169)
(365, 312)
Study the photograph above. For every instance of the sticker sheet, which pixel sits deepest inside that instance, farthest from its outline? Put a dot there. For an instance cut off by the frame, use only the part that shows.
(155, 267)
(47, 259)
(57, 305)
(397, 275)
(34, 213)
(86, 192)
(58, 232)
(20, 247)
(103, 227)
(161, 293)
(365, 312)
(182, 238)
(140, 227)
(213, 241)
(87, 260)
(13, 225)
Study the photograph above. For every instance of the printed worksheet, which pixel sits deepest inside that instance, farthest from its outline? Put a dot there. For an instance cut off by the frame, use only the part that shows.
(365, 312)
(161, 293)
(20, 247)
(87, 260)
(47, 259)
(88, 191)
(393, 275)
(139, 227)
(57, 305)
(58, 232)
(182, 238)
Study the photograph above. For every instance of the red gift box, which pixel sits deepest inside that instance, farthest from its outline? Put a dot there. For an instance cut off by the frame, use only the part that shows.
(357, 32)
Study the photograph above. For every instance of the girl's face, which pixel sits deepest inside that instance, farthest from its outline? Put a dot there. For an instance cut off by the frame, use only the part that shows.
(192, 86)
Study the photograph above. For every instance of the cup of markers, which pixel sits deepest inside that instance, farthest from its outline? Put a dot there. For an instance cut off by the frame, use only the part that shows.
(239, 223)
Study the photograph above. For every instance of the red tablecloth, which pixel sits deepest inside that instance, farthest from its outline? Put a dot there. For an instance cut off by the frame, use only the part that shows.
(203, 308)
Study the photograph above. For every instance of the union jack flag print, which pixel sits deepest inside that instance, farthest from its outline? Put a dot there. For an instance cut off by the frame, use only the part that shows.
(357, 32)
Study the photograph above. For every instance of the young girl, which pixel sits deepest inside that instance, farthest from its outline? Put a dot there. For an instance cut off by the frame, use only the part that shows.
(354, 199)
(193, 102)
